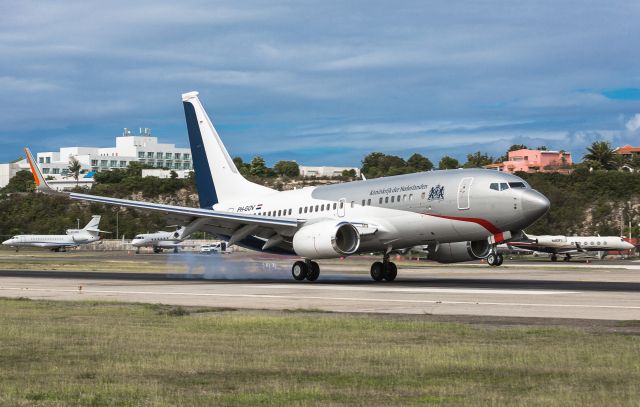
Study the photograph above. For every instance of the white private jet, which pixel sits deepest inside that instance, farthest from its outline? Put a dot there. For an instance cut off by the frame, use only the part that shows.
(73, 238)
(568, 245)
(159, 241)
(459, 214)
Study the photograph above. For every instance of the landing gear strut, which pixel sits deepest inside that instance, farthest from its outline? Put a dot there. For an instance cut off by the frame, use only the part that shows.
(307, 269)
(385, 269)
(567, 257)
(554, 257)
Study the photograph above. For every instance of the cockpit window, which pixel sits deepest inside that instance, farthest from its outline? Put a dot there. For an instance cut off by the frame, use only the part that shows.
(517, 185)
(495, 185)
(504, 186)
(138, 237)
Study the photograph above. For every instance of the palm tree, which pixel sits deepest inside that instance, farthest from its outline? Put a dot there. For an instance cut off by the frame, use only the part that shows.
(74, 168)
(601, 153)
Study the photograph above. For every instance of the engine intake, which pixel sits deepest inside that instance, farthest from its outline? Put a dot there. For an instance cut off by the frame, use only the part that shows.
(326, 239)
(459, 251)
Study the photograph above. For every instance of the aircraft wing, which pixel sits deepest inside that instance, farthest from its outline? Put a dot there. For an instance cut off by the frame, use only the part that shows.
(233, 226)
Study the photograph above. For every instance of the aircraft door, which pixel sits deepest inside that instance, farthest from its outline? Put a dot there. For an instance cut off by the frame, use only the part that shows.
(464, 192)
(342, 203)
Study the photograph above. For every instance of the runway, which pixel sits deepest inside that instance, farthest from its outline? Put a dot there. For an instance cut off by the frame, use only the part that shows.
(514, 291)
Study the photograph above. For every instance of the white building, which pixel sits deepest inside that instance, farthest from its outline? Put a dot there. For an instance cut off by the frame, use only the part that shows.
(307, 171)
(160, 173)
(9, 170)
(142, 148)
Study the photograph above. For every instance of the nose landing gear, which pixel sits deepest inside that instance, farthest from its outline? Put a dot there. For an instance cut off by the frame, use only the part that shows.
(495, 259)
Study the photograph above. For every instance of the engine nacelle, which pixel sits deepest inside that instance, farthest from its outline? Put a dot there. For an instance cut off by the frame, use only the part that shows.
(459, 251)
(326, 240)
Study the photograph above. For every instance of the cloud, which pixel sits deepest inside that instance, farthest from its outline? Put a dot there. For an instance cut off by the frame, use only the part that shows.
(634, 123)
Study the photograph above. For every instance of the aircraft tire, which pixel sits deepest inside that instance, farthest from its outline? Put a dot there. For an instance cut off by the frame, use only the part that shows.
(299, 270)
(391, 271)
(500, 259)
(492, 259)
(314, 271)
(377, 271)
(554, 257)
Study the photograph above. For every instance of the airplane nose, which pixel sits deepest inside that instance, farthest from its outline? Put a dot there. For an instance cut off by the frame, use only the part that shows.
(534, 204)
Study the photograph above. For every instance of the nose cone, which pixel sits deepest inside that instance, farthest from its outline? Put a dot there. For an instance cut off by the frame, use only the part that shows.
(628, 246)
(6, 242)
(534, 205)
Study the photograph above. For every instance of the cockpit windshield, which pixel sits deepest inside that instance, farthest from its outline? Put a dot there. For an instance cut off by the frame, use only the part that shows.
(517, 185)
(138, 237)
(499, 186)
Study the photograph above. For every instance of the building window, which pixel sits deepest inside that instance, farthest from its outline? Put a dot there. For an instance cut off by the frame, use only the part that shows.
(177, 166)
(160, 163)
(149, 155)
(47, 160)
(176, 156)
(187, 166)
(55, 170)
(103, 163)
(167, 156)
(158, 155)
(151, 163)
(113, 163)
(41, 160)
(45, 170)
(140, 154)
(94, 163)
(186, 157)
(123, 163)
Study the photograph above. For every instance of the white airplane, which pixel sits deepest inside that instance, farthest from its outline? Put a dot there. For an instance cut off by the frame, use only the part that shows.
(159, 241)
(568, 245)
(460, 214)
(73, 238)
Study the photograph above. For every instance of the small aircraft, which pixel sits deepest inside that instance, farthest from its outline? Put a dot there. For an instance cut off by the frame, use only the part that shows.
(159, 240)
(568, 245)
(73, 238)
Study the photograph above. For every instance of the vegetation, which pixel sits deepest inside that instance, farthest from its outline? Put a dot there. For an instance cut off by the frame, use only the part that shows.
(92, 353)
(601, 156)
(448, 163)
(74, 168)
(22, 182)
(377, 165)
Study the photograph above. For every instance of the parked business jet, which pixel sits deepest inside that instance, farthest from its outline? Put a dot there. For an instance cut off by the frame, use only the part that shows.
(568, 245)
(159, 241)
(460, 214)
(73, 238)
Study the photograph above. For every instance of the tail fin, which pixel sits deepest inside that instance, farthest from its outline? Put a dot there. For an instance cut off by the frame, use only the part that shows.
(92, 226)
(217, 178)
(41, 183)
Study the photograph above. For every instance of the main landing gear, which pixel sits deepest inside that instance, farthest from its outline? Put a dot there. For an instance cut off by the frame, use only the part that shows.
(495, 259)
(385, 269)
(554, 257)
(308, 269)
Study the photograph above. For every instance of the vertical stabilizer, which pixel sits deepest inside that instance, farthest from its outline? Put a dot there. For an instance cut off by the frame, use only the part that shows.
(92, 226)
(217, 178)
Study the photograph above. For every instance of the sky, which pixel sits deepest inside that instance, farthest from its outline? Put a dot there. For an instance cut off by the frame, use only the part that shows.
(323, 83)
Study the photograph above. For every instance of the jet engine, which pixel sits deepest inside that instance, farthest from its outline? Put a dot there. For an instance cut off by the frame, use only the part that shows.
(459, 251)
(326, 239)
(79, 238)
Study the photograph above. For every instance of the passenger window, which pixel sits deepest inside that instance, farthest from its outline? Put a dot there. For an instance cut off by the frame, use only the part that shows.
(289, 211)
(341, 204)
(386, 199)
(369, 202)
(305, 209)
(404, 197)
(392, 197)
(363, 202)
(495, 186)
(353, 204)
(410, 197)
(300, 209)
(317, 207)
(504, 186)
(424, 194)
(335, 205)
(398, 198)
(322, 208)
(380, 200)
(279, 212)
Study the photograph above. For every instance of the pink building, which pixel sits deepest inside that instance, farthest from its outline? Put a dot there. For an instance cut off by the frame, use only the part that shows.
(534, 161)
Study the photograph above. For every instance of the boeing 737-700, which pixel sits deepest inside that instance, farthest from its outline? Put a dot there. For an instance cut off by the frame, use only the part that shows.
(459, 214)
(73, 238)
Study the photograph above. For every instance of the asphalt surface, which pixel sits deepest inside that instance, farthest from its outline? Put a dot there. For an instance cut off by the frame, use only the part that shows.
(607, 290)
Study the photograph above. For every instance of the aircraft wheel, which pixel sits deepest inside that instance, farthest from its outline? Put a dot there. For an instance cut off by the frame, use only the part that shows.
(554, 257)
(314, 271)
(377, 271)
(391, 271)
(500, 259)
(299, 270)
(567, 258)
(492, 259)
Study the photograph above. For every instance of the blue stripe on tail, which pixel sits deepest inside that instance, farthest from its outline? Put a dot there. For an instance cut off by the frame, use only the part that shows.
(204, 182)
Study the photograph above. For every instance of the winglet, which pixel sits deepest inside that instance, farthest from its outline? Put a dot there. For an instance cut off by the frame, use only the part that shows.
(41, 183)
